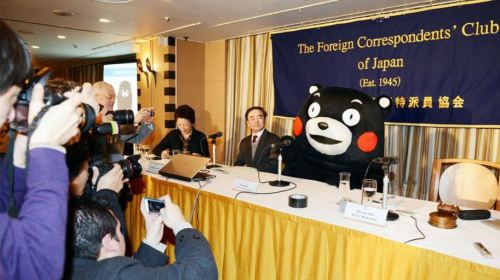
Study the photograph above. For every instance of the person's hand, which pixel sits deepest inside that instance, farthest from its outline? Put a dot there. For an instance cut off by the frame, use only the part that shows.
(196, 154)
(113, 180)
(60, 122)
(20, 146)
(165, 153)
(154, 225)
(36, 103)
(88, 98)
(105, 117)
(171, 214)
(143, 116)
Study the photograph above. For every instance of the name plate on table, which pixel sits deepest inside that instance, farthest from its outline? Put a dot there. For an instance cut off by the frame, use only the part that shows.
(245, 185)
(366, 214)
(154, 167)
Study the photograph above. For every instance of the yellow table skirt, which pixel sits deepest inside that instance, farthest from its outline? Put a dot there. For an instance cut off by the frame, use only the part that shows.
(253, 242)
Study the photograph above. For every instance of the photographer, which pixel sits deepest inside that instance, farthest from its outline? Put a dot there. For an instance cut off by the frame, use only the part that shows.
(99, 247)
(114, 145)
(33, 239)
(102, 185)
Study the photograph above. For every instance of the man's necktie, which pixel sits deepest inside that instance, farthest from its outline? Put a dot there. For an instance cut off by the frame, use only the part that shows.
(254, 138)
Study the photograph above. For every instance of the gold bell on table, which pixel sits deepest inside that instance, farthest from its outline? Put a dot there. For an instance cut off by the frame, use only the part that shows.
(445, 217)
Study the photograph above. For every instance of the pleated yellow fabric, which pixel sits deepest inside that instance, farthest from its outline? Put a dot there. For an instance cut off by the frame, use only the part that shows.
(253, 242)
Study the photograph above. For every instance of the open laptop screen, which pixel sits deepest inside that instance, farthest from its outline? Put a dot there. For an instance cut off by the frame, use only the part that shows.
(185, 167)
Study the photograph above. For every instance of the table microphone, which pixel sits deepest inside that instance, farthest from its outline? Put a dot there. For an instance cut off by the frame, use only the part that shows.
(284, 142)
(386, 160)
(214, 137)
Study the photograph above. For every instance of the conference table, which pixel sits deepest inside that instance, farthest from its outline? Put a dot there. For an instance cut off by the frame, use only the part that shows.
(258, 236)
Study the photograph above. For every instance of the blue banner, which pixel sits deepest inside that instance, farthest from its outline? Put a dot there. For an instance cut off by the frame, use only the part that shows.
(439, 67)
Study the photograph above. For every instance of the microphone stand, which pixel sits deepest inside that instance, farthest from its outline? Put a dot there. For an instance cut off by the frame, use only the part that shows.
(391, 216)
(279, 182)
(213, 165)
(385, 189)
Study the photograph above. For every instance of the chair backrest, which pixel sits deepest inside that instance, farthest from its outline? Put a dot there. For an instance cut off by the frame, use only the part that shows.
(465, 182)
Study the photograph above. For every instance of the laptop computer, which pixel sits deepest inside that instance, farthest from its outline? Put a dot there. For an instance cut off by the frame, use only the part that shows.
(186, 168)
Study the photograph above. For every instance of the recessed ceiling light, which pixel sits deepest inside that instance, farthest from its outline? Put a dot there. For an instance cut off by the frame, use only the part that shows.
(61, 37)
(114, 1)
(104, 20)
(35, 47)
(62, 13)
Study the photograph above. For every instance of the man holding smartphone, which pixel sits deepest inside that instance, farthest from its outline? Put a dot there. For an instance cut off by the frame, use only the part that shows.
(99, 246)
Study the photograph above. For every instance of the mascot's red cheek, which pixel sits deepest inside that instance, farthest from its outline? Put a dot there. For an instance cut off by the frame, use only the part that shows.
(367, 141)
(297, 126)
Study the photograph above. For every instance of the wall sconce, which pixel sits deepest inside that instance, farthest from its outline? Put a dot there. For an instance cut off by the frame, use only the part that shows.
(139, 66)
(150, 69)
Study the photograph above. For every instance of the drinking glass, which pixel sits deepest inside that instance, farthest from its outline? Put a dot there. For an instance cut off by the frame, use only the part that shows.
(369, 189)
(344, 183)
(145, 150)
(174, 152)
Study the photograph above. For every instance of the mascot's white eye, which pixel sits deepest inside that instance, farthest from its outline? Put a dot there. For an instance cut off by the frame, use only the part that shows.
(350, 117)
(313, 110)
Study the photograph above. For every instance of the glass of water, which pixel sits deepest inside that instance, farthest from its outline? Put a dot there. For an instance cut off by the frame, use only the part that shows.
(145, 150)
(369, 189)
(344, 183)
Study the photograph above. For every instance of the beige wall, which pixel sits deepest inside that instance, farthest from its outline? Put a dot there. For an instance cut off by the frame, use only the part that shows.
(191, 78)
(201, 73)
(152, 90)
(215, 92)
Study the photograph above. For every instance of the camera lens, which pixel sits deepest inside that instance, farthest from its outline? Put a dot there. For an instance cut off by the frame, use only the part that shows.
(123, 116)
(131, 167)
(151, 113)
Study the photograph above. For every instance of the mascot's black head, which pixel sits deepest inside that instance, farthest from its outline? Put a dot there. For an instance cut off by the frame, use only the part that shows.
(341, 124)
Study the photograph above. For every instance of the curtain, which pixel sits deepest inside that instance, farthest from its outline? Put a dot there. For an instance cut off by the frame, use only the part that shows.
(250, 82)
(86, 73)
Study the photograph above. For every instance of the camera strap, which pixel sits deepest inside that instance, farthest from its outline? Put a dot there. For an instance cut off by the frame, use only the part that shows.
(12, 209)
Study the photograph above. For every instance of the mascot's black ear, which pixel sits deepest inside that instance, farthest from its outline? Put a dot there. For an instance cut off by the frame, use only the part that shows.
(314, 88)
(385, 102)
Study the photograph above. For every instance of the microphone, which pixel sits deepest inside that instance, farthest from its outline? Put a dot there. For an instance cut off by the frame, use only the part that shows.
(285, 141)
(215, 135)
(386, 160)
(214, 140)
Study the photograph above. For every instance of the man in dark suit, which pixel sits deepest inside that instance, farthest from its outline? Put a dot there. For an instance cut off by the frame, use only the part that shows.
(254, 149)
(99, 247)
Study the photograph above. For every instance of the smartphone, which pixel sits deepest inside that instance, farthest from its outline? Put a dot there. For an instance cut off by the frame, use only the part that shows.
(154, 205)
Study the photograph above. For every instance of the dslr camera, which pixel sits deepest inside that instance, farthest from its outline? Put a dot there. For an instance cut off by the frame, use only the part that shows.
(54, 94)
(130, 166)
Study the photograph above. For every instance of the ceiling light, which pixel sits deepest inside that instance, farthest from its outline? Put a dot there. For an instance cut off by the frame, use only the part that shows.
(35, 47)
(61, 37)
(104, 20)
(167, 18)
